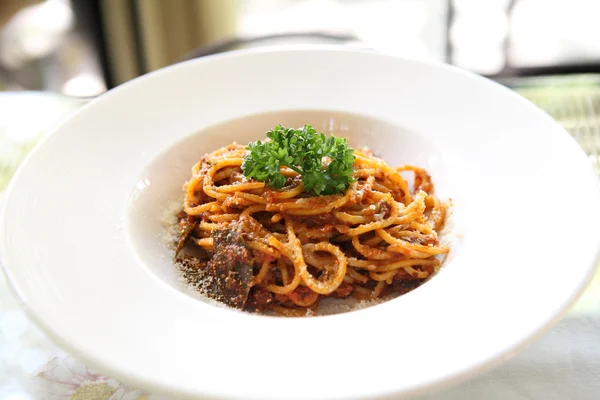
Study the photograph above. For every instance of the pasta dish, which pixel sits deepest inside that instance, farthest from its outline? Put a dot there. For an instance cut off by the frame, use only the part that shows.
(270, 244)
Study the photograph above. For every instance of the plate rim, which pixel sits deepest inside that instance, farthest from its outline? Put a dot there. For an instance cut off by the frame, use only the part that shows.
(438, 383)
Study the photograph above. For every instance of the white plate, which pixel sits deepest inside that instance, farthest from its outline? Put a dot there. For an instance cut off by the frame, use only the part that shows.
(82, 241)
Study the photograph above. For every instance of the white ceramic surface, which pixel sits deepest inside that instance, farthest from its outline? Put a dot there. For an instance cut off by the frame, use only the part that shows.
(151, 213)
(80, 217)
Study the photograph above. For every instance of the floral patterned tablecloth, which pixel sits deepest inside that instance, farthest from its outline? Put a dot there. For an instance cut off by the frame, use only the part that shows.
(32, 367)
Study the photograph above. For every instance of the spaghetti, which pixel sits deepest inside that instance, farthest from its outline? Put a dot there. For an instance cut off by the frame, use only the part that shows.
(285, 250)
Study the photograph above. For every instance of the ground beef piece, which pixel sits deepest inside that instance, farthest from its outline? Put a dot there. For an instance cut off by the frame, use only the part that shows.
(404, 283)
(187, 225)
(231, 266)
(342, 291)
(259, 299)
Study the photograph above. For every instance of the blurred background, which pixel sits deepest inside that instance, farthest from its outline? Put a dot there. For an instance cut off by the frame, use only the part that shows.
(84, 47)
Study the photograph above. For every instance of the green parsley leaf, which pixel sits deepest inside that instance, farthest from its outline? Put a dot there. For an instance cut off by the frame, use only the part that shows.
(306, 152)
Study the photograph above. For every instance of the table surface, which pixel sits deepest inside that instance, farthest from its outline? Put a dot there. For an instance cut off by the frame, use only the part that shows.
(564, 364)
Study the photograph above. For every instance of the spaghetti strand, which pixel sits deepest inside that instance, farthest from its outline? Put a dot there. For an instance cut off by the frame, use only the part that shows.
(374, 239)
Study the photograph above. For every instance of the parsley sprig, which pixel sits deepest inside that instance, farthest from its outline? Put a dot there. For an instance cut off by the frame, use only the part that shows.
(306, 152)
